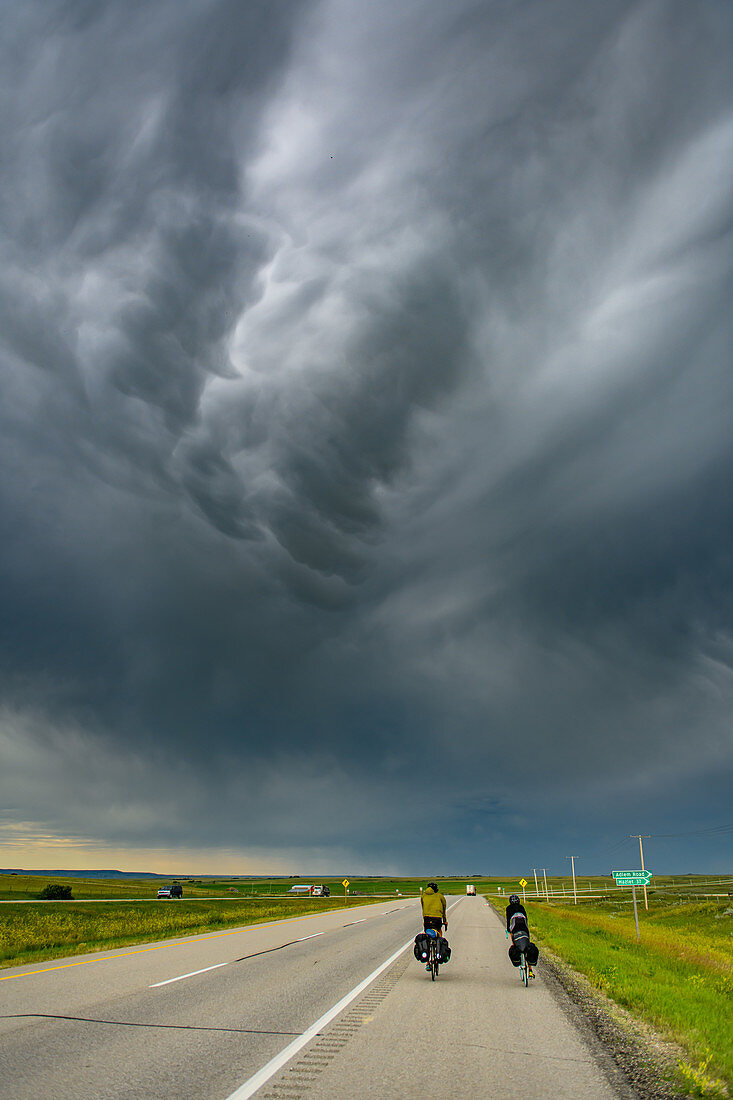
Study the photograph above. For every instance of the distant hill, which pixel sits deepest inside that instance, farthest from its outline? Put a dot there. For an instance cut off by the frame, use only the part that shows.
(84, 874)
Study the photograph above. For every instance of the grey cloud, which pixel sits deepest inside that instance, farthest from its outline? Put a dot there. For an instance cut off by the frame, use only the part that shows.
(369, 401)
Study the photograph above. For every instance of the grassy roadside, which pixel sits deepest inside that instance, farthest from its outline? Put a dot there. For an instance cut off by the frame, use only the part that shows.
(32, 933)
(679, 978)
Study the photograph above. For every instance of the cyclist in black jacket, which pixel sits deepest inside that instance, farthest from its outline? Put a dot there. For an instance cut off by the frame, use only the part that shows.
(517, 924)
(516, 915)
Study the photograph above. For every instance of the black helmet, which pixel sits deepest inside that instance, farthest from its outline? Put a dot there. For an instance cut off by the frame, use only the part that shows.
(514, 897)
(433, 886)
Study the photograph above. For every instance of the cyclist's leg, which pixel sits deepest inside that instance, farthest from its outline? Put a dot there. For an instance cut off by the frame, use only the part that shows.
(430, 923)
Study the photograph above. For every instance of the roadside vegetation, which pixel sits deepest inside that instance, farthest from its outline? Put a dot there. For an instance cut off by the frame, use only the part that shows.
(679, 978)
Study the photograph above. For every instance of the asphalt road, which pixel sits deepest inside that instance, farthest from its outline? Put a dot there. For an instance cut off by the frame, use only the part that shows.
(320, 1007)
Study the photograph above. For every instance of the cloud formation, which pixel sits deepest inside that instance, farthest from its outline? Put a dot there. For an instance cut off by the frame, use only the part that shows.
(366, 425)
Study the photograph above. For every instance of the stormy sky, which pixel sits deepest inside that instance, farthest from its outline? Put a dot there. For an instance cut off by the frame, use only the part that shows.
(366, 434)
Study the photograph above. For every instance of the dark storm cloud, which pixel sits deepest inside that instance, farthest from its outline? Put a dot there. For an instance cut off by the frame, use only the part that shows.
(367, 403)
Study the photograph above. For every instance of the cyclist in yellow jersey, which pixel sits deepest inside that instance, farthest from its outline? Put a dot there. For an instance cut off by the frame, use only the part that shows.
(433, 908)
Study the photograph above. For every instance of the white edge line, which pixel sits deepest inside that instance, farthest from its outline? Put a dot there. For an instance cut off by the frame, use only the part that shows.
(311, 937)
(249, 1088)
(191, 975)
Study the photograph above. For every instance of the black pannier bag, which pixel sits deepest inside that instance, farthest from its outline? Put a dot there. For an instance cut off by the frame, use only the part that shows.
(422, 946)
(444, 951)
(521, 941)
(531, 952)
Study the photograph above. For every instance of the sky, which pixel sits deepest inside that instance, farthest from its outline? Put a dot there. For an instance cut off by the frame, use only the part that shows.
(366, 435)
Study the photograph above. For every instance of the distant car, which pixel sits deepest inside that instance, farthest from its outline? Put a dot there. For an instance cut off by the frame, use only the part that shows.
(174, 891)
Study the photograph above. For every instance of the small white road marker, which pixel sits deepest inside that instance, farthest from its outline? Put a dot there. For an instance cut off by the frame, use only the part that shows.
(191, 975)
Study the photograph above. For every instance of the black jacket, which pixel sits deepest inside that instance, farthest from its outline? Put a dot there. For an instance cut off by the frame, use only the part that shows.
(511, 909)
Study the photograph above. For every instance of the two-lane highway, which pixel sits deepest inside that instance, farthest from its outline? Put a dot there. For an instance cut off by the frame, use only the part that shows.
(315, 1006)
(189, 1017)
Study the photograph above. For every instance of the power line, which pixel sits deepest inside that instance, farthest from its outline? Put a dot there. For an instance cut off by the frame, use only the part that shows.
(714, 830)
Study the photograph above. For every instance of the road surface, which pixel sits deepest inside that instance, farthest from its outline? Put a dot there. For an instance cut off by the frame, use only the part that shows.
(319, 1007)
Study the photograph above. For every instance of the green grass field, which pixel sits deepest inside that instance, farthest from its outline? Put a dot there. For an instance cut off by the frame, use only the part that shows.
(679, 978)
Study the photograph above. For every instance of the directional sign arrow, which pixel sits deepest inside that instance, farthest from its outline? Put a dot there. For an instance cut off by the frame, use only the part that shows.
(632, 878)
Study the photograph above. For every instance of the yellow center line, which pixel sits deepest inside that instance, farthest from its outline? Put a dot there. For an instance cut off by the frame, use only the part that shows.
(160, 947)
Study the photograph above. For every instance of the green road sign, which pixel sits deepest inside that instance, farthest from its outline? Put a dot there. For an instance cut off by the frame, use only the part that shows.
(632, 878)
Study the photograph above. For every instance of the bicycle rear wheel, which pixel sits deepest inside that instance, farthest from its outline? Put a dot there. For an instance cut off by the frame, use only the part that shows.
(523, 971)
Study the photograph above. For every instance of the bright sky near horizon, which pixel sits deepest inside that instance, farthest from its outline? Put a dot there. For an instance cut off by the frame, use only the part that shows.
(366, 435)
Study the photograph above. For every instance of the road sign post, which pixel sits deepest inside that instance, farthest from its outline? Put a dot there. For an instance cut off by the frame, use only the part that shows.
(642, 877)
(523, 884)
(345, 885)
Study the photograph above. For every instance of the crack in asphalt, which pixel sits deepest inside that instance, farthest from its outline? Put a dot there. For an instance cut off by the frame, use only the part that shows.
(133, 1023)
(268, 950)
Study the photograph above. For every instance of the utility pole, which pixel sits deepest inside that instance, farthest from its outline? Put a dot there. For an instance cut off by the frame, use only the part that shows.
(536, 887)
(547, 893)
(640, 837)
(575, 892)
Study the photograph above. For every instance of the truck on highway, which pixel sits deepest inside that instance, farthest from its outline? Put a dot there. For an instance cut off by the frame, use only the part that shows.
(470, 890)
(310, 890)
